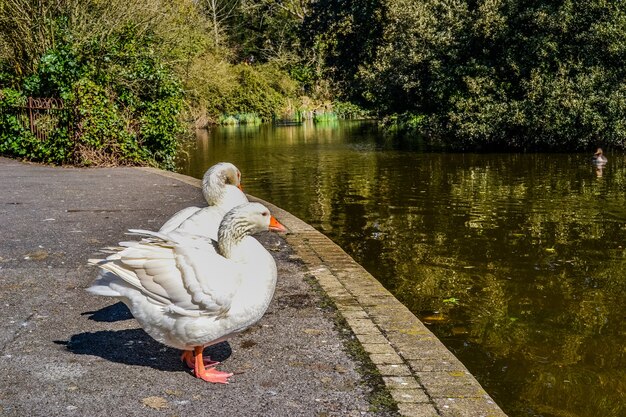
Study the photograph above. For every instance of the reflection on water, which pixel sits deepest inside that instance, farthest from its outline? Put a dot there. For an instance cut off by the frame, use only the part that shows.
(515, 261)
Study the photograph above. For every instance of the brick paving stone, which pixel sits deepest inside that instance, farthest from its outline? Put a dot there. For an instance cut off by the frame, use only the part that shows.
(380, 348)
(386, 359)
(445, 384)
(394, 370)
(409, 395)
(417, 410)
(401, 382)
(372, 338)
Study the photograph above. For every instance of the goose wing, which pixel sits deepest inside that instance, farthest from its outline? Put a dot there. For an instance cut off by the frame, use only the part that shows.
(183, 274)
(204, 222)
(177, 219)
(231, 198)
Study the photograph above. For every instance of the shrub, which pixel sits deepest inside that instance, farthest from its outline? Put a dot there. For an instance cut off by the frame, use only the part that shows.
(123, 105)
(108, 63)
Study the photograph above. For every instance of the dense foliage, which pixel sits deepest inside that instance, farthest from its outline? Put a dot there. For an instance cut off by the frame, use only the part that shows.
(346, 36)
(489, 73)
(121, 101)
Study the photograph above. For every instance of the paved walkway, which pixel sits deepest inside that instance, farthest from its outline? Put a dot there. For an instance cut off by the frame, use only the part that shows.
(64, 352)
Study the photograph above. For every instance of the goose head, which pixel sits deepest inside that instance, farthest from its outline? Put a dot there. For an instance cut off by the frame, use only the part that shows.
(216, 180)
(245, 220)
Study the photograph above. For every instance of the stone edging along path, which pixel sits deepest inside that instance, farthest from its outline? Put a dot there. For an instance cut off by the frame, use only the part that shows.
(422, 375)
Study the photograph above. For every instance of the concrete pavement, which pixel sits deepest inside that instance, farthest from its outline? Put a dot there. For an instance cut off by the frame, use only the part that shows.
(64, 352)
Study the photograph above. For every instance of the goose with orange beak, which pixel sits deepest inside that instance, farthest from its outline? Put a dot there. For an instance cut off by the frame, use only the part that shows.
(188, 291)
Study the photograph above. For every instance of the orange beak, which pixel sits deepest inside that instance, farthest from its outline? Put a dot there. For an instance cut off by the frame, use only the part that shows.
(240, 187)
(275, 225)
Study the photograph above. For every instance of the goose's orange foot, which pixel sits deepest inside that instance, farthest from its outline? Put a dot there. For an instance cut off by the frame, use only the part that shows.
(211, 374)
(188, 359)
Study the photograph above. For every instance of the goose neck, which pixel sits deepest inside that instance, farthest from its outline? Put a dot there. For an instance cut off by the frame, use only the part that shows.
(213, 189)
(230, 234)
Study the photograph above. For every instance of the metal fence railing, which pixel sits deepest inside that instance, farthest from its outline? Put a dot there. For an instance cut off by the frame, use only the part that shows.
(41, 115)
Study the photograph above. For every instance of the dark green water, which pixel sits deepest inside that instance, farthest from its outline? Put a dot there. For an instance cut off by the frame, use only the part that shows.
(515, 261)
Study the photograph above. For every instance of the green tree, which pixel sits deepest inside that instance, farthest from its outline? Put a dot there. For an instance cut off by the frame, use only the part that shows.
(487, 73)
(344, 36)
(268, 31)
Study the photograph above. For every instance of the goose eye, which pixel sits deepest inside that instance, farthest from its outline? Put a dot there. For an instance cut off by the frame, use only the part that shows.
(264, 214)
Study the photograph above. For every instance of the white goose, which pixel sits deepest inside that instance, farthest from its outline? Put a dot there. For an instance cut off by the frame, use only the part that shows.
(222, 191)
(187, 291)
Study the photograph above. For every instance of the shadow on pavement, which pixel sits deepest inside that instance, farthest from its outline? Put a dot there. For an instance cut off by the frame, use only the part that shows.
(135, 347)
(110, 314)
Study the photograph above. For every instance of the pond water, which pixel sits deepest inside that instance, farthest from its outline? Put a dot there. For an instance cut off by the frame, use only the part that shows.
(515, 261)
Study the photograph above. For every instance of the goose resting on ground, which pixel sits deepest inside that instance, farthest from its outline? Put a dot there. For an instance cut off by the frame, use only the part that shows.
(221, 187)
(189, 292)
